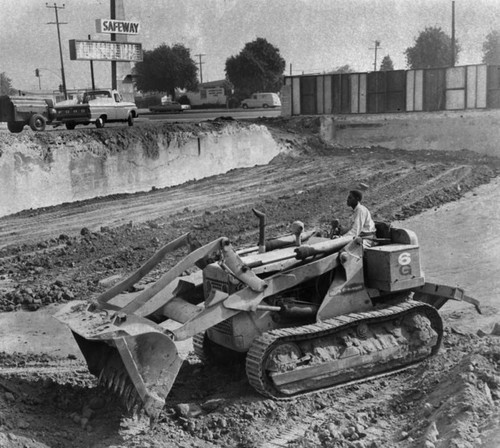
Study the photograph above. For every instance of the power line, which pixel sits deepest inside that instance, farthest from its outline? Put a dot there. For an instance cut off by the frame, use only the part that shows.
(200, 63)
(55, 7)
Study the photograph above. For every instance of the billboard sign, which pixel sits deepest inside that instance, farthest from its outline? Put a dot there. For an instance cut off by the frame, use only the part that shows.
(116, 26)
(99, 50)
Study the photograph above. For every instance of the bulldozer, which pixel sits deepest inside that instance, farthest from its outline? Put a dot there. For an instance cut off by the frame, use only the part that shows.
(306, 312)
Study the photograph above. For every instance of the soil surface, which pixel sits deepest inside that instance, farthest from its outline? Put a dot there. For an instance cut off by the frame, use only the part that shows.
(76, 251)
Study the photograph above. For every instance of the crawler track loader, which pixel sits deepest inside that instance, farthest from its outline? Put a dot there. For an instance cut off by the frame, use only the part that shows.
(307, 312)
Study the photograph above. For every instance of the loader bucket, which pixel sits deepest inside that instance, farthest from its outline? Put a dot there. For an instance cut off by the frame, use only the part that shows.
(130, 355)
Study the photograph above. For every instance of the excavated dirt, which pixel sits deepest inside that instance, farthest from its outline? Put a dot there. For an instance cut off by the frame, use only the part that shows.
(76, 251)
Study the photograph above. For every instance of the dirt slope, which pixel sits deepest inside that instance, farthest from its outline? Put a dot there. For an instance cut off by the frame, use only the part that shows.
(64, 253)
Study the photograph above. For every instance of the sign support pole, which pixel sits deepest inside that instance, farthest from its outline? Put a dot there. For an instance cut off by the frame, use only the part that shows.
(113, 39)
(92, 71)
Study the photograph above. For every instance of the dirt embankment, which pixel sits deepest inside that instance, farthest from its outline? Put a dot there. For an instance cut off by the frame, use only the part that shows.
(64, 253)
(69, 166)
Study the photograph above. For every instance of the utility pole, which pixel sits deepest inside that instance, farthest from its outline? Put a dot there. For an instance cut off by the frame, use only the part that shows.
(56, 8)
(377, 46)
(200, 63)
(453, 34)
(37, 74)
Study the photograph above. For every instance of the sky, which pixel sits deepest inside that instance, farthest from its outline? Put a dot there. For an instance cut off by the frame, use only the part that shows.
(313, 36)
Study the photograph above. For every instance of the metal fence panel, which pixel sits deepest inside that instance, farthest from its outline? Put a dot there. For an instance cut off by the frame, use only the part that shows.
(354, 93)
(471, 87)
(396, 91)
(296, 97)
(494, 87)
(320, 90)
(308, 95)
(328, 94)
(482, 86)
(434, 89)
(345, 94)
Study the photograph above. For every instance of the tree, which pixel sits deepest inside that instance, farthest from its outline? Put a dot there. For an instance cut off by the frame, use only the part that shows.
(166, 68)
(491, 48)
(386, 64)
(343, 69)
(6, 85)
(432, 49)
(257, 68)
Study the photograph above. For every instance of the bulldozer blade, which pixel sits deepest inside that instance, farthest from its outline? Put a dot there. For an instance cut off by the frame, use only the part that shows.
(130, 355)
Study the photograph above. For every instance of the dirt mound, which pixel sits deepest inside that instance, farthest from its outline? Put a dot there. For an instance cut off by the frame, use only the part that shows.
(448, 401)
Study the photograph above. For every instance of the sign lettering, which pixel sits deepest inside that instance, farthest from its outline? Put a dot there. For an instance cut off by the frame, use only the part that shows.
(405, 270)
(97, 50)
(404, 259)
(116, 26)
(215, 92)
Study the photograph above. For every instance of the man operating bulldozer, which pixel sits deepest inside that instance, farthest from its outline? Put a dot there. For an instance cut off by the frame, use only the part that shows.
(360, 223)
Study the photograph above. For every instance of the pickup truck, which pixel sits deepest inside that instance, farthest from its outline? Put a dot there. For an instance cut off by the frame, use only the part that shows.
(19, 111)
(97, 107)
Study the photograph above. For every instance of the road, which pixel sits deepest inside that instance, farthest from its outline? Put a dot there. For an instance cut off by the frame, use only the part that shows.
(210, 114)
(187, 116)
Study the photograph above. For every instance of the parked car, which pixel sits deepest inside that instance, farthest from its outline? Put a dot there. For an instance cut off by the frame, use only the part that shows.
(265, 99)
(169, 107)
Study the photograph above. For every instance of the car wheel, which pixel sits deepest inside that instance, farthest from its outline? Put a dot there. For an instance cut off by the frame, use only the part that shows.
(245, 106)
(99, 123)
(37, 122)
(70, 125)
(265, 106)
(130, 120)
(15, 126)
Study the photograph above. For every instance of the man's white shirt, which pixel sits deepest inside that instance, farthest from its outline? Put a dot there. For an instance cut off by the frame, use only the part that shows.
(361, 222)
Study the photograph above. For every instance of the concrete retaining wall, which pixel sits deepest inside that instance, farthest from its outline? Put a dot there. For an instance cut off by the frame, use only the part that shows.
(477, 131)
(46, 169)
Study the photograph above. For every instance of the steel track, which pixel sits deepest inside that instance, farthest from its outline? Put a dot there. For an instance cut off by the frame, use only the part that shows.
(262, 346)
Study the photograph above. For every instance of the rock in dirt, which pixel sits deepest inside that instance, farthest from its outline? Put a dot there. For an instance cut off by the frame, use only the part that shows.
(110, 281)
(9, 440)
(496, 330)
(432, 433)
(213, 404)
(188, 410)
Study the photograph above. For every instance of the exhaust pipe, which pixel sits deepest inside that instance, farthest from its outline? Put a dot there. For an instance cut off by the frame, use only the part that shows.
(262, 230)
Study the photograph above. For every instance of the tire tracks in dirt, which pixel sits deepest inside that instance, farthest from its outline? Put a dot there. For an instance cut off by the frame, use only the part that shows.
(399, 183)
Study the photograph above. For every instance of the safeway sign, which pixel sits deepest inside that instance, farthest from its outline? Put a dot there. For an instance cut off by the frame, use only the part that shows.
(116, 26)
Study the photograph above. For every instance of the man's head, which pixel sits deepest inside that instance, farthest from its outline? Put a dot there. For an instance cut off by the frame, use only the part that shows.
(354, 198)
